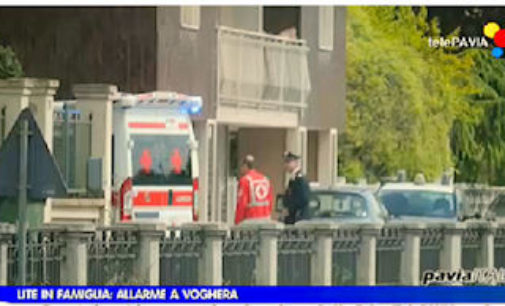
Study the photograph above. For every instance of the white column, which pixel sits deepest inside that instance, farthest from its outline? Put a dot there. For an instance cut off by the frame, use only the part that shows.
(206, 134)
(14, 97)
(96, 100)
(210, 262)
(327, 159)
(367, 255)
(74, 268)
(450, 256)
(221, 171)
(147, 267)
(266, 261)
(411, 255)
(322, 258)
(37, 94)
(41, 104)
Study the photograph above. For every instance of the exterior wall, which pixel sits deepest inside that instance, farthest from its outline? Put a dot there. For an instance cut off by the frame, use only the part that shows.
(241, 17)
(186, 60)
(327, 72)
(267, 146)
(84, 45)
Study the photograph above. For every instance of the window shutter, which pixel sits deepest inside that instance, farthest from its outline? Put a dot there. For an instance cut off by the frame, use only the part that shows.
(326, 25)
(190, 17)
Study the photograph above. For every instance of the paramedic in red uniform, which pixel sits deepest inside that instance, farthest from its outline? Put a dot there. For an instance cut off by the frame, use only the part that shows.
(255, 199)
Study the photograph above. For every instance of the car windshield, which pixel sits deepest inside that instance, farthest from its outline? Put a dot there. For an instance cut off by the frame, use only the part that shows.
(337, 205)
(161, 160)
(419, 203)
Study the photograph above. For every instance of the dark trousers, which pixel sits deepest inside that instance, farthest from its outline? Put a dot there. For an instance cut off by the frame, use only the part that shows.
(296, 215)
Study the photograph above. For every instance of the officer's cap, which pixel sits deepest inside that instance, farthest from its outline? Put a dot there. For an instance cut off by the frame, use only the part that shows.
(289, 156)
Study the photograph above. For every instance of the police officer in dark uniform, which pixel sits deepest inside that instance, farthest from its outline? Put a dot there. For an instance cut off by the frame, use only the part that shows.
(296, 198)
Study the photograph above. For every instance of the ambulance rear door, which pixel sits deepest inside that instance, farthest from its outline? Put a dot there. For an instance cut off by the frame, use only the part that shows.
(160, 156)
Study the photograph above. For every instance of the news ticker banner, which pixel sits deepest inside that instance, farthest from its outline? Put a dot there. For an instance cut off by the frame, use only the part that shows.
(251, 295)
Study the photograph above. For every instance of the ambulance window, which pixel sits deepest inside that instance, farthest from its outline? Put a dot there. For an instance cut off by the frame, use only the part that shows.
(161, 160)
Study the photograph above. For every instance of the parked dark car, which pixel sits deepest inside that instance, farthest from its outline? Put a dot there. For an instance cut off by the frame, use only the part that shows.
(343, 204)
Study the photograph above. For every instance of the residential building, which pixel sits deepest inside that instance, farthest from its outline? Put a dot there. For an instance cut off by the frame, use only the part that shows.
(272, 78)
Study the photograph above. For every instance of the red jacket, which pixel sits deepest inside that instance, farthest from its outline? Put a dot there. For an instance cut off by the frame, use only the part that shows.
(254, 197)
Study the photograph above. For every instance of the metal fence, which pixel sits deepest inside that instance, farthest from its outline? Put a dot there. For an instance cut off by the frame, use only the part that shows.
(193, 254)
(345, 253)
(499, 248)
(179, 253)
(431, 245)
(240, 249)
(111, 257)
(293, 260)
(72, 146)
(44, 257)
(470, 248)
(389, 248)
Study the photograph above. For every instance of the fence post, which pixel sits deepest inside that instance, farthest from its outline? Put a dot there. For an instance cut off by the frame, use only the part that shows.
(322, 255)
(14, 97)
(74, 268)
(147, 267)
(266, 261)
(95, 100)
(411, 255)
(367, 255)
(6, 233)
(450, 255)
(41, 103)
(485, 258)
(210, 262)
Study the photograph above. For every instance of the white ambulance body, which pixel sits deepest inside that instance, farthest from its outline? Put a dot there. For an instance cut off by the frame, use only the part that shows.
(155, 167)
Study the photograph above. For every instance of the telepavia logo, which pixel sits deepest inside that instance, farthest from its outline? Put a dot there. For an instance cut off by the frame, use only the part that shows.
(493, 31)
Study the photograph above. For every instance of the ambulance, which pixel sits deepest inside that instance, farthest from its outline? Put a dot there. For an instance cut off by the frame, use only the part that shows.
(155, 158)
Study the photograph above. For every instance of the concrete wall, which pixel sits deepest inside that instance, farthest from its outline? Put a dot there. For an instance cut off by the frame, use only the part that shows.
(327, 72)
(267, 146)
(84, 45)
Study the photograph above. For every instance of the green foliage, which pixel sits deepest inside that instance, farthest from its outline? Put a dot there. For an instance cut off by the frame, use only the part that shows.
(402, 95)
(9, 64)
(479, 144)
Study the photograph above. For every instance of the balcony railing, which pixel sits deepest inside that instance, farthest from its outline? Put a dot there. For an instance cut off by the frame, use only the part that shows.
(262, 71)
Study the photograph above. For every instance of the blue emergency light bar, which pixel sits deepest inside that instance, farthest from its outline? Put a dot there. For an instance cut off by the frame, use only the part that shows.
(188, 105)
(191, 106)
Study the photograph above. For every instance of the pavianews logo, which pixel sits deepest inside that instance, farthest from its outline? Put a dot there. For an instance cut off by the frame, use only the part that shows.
(485, 276)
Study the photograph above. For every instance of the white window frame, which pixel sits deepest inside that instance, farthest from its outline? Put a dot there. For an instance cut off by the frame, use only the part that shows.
(326, 27)
(190, 17)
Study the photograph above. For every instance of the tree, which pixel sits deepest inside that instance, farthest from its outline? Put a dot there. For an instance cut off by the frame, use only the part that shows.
(469, 20)
(479, 144)
(9, 64)
(402, 95)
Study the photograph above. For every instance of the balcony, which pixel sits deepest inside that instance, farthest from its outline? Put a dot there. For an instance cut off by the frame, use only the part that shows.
(262, 71)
